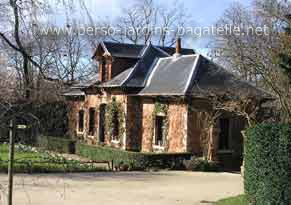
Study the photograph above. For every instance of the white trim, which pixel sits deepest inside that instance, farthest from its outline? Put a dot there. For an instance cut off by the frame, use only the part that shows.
(144, 50)
(194, 70)
(158, 147)
(150, 70)
(153, 71)
(105, 49)
(134, 67)
(128, 75)
(80, 133)
(91, 136)
(115, 141)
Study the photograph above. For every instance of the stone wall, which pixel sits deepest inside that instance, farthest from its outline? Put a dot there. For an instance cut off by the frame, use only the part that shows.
(134, 120)
(177, 136)
(196, 125)
(177, 128)
(147, 125)
(93, 101)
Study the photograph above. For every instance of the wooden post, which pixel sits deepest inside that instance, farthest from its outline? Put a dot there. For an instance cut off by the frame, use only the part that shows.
(11, 160)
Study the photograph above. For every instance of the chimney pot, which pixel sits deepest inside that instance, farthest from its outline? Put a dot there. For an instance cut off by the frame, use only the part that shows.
(178, 46)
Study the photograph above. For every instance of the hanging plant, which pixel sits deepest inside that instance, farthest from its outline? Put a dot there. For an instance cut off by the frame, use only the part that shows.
(115, 115)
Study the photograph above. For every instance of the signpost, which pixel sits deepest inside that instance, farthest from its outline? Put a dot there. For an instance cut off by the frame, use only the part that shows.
(12, 134)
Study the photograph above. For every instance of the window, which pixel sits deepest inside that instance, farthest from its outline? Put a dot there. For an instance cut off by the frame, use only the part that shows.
(115, 122)
(104, 76)
(91, 121)
(224, 134)
(102, 110)
(160, 131)
(81, 121)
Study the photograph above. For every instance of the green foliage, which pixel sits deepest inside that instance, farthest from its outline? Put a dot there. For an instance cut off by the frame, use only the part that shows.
(135, 160)
(31, 160)
(111, 109)
(268, 164)
(57, 144)
(199, 164)
(237, 200)
(161, 108)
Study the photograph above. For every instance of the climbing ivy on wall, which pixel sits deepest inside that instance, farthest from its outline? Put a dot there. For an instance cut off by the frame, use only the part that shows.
(112, 109)
(161, 109)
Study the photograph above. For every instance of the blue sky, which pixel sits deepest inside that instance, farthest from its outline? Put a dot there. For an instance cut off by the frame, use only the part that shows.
(204, 13)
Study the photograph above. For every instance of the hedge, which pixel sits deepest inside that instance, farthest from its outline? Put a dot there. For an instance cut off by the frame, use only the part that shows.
(267, 176)
(135, 160)
(49, 167)
(57, 144)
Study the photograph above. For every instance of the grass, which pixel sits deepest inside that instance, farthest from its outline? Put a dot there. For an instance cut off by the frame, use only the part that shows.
(29, 161)
(237, 200)
(4, 154)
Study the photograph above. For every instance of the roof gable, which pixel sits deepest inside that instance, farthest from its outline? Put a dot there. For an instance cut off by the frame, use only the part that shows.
(136, 76)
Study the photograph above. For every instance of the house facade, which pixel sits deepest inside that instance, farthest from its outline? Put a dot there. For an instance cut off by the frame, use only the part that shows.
(156, 99)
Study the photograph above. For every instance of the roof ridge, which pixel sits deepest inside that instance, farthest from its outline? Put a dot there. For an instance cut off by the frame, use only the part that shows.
(144, 51)
(143, 45)
(193, 72)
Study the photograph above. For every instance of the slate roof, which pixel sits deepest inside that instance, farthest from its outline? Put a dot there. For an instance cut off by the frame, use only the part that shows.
(136, 76)
(125, 50)
(159, 73)
(171, 76)
(212, 79)
(195, 75)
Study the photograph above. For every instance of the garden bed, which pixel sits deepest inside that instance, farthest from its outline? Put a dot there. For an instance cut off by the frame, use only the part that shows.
(31, 160)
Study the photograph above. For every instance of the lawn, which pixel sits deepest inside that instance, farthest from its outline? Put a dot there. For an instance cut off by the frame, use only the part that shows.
(237, 200)
(32, 160)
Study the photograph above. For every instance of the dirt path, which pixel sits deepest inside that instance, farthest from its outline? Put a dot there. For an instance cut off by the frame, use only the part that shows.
(125, 188)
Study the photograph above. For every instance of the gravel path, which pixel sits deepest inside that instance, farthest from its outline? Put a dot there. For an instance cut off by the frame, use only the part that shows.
(124, 188)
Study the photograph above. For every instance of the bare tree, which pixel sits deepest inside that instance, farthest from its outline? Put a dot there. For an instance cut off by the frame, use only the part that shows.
(252, 55)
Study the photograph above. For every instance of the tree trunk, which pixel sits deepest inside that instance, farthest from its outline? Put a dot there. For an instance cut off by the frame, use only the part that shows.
(212, 144)
(27, 81)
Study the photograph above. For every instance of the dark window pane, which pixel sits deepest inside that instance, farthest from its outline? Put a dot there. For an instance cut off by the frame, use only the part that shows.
(81, 121)
(91, 121)
(224, 134)
(159, 130)
(115, 122)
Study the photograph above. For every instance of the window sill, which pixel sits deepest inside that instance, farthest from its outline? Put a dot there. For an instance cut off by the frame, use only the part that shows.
(91, 136)
(158, 147)
(115, 141)
(225, 151)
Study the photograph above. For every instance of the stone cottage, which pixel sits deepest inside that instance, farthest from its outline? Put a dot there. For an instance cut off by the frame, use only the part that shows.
(155, 99)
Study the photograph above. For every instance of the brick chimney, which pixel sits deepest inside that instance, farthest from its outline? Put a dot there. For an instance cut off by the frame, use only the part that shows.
(178, 47)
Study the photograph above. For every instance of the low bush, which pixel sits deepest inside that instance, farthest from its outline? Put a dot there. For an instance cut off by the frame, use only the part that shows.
(134, 160)
(49, 167)
(58, 144)
(267, 176)
(199, 164)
